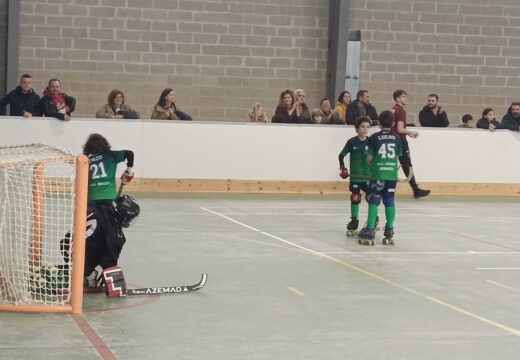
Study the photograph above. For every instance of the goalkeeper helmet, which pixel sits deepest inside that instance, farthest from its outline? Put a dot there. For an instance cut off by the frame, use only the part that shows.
(127, 209)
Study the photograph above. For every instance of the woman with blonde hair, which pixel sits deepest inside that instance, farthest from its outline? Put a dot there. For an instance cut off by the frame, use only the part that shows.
(286, 109)
(302, 110)
(257, 113)
(116, 107)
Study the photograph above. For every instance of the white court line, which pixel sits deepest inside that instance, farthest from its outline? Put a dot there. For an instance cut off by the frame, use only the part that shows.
(502, 285)
(296, 291)
(499, 268)
(375, 276)
(424, 252)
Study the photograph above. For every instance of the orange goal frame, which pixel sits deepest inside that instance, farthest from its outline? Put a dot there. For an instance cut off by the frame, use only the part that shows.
(75, 305)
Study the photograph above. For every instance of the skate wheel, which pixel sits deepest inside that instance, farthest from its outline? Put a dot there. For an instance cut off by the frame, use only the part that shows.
(351, 233)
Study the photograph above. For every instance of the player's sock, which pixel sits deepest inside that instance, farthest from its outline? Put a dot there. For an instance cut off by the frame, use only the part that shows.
(372, 216)
(354, 210)
(390, 216)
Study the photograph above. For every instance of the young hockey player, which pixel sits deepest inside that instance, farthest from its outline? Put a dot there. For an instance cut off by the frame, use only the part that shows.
(359, 170)
(384, 149)
(108, 213)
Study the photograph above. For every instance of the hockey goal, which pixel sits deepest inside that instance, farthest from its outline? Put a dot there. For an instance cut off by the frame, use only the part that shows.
(43, 199)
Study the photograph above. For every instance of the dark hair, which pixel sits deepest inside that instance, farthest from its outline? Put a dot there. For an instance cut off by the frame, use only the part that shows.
(435, 96)
(25, 76)
(360, 93)
(399, 93)
(360, 120)
(341, 95)
(283, 93)
(162, 98)
(486, 111)
(112, 96)
(322, 100)
(466, 118)
(96, 144)
(53, 80)
(386, 118)
(515, 103)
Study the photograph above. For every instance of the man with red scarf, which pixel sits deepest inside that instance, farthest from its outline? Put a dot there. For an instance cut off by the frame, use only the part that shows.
(56, 104)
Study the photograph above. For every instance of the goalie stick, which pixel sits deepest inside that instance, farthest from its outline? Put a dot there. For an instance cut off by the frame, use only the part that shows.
(168, 289)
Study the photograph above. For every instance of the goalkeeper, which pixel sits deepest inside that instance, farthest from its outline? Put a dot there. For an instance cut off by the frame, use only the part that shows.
(107, 214)
(359, 168)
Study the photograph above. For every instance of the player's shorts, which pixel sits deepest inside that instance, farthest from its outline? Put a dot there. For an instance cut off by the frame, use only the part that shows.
(382, 187)
(357, 187)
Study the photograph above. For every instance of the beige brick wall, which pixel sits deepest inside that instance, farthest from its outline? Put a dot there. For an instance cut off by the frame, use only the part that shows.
(466, 51)
(220, 56)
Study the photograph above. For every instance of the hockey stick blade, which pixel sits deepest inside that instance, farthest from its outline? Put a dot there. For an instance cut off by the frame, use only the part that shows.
(163, 290)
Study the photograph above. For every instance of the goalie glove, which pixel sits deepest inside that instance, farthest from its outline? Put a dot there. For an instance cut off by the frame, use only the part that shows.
(115, 284)
(344, 173)
(127, 176)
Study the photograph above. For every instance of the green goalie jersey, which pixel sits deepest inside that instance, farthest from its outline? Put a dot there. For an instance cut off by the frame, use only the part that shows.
(385, 148)
(359, 168)
(102, 174)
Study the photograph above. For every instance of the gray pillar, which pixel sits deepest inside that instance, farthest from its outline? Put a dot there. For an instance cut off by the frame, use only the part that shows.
(339, 13)
(13, 45)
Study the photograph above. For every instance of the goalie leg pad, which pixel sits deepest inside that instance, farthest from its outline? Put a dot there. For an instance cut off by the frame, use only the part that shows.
(115, 285)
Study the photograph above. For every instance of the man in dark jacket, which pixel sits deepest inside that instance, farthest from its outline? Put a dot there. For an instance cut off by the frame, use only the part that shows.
(432, 115)
(511, 120)
(22, 101)
(56, 104)
(361, 107)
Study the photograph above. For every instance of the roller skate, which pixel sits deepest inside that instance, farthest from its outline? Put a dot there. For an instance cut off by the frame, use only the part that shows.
(388, 237)
(366, 236)
(50, 280)
(352, 227)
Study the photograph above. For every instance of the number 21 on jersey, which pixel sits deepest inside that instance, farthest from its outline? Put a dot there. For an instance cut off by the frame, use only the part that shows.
(98, 171)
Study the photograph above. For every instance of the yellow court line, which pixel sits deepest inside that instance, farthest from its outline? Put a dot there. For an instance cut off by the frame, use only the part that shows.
(378, 277)
(296, 291)
(502, 285)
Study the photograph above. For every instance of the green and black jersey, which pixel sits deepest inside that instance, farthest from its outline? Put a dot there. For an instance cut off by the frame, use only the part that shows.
(385, 147)
(102, 173)
(359, 168)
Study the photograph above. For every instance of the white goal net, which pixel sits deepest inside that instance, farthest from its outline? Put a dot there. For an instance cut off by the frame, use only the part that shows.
(37, 190)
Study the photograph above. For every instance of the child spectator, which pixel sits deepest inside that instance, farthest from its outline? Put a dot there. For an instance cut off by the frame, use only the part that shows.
(257, 113)
(467, 121)
(317, 116)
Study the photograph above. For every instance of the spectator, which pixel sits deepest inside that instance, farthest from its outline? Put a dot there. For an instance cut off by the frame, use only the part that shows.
(467, 121)
(257, 113)
(22, 101)
(511, 120)
(317, 116)
(329, 116)
(302, 110)
(286, 109)
(56, 104)
(342, 105)
(361, 107)
(165, 109)
(488, 121)
(432, 115)
(399, 127)
(116, 107)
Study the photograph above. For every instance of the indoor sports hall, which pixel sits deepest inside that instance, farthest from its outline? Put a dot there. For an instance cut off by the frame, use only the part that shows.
(285, 283)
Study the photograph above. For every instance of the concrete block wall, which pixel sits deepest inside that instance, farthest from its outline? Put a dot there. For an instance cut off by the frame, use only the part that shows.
(220, 56)
(466, 51)
(3, 46)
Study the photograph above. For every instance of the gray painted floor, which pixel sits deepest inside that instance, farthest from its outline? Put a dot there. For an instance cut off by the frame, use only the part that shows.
(285, 283)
